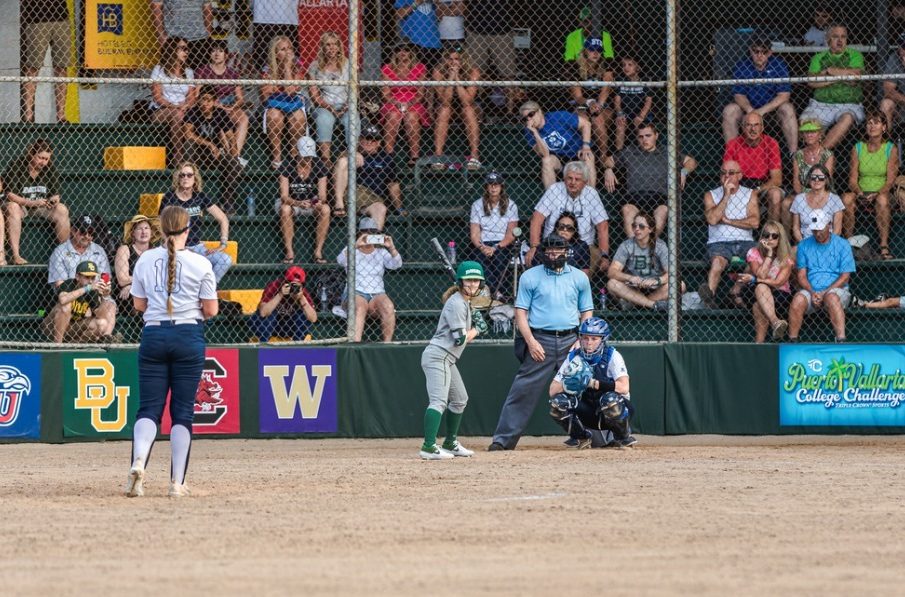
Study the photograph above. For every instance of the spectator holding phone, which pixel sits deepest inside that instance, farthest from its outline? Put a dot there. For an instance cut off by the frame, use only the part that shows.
(374, 254)
(81, 313)
(286, 308)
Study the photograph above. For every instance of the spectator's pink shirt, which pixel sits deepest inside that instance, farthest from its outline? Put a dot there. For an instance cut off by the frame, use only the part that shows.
(754, 258)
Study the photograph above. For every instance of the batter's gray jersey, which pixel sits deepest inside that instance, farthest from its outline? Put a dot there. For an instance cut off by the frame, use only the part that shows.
(456, 315)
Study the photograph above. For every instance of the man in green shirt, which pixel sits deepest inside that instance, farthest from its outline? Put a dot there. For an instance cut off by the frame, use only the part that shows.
(836, 104)
(575, 39)
(81, 314)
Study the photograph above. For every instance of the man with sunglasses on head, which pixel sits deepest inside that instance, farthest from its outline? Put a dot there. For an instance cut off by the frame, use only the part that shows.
(558, 138)
(732, 212)
(80, 247)
(758, 158)
(577, 196)
(645, 165)
(769, 98)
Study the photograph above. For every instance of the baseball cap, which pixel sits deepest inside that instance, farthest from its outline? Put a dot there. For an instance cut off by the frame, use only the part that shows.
(470, 270)
(593, 44)
(493, 177)
(84, 223)
(819, 220)
(86, 268)
(306, 147)
(367, 224)
(295, 274)
(370, 131)
(811, 126)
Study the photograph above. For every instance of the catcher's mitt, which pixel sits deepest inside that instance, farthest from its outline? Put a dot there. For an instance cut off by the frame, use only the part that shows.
(577, 376)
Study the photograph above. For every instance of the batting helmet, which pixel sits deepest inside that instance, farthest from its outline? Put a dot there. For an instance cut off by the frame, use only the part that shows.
(470, 270)
(595, 326)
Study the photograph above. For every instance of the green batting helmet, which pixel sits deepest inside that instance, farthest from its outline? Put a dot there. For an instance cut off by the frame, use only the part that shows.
(470, 270)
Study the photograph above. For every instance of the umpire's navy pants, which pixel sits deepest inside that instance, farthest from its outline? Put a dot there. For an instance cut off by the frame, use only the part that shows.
(170, 359)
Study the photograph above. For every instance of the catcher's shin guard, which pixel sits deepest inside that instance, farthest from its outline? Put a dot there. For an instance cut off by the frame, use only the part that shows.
(562, 410)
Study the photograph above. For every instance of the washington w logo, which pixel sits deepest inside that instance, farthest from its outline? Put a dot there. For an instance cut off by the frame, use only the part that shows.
(14, 387)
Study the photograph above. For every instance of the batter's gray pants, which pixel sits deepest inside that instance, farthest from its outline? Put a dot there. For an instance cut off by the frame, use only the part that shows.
(531, 382)
(444, 383)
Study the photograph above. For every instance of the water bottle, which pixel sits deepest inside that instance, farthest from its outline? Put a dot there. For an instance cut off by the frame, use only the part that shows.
(323, 297)
(451, 252)
(603, 299)
(250, 203)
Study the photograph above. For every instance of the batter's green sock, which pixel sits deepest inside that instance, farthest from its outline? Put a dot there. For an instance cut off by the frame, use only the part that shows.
(453, 420)
(431, 427)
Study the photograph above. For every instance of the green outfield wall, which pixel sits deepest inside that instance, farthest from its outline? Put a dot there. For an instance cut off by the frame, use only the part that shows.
(372, 391)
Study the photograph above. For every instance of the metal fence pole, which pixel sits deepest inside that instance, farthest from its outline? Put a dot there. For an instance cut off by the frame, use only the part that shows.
(672, 138)
(351, 152)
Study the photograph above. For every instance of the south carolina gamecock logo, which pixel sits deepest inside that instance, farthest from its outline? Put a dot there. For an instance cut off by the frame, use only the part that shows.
(14, 386)
(209, 406)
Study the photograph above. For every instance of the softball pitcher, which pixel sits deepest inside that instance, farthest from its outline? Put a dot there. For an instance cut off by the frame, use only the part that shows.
(458, 325)
(176, 290)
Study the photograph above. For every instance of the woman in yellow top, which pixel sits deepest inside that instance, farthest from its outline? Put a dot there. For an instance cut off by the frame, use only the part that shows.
(873, 169)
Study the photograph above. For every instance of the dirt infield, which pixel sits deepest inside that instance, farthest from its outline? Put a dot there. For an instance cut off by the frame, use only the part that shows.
(695, 515)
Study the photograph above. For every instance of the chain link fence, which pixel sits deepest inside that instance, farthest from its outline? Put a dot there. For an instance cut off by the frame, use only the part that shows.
(676, 150)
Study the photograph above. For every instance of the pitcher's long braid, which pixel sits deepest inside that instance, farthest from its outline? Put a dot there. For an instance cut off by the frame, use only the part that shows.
(173, 220)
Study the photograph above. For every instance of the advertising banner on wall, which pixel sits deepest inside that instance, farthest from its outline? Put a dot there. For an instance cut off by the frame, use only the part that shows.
(20, 395)
(841, 384)
(297, 390)
(100, 394)
(217, 398)
(119, 35)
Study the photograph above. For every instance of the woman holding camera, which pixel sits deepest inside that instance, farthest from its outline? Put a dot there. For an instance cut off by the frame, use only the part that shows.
(286, 308)
(374, 254)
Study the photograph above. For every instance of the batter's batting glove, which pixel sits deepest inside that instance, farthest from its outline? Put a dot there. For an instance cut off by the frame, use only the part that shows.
(478, 322)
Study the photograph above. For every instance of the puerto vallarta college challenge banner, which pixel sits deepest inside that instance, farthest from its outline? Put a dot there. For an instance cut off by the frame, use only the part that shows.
(848, 384)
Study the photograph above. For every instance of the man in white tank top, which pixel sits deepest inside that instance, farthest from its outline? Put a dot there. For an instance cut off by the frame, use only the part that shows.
(732, 212)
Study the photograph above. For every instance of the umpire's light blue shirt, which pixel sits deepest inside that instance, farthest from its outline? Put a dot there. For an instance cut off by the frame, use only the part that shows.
(554, 301)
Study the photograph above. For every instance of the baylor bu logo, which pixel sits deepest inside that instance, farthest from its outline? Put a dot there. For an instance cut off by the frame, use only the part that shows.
(209, 407)
(97, 392)
(299, 391)
(14, 387)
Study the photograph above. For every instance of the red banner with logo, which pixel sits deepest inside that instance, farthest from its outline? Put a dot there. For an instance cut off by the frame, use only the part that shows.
(318, 16)
(217, 398)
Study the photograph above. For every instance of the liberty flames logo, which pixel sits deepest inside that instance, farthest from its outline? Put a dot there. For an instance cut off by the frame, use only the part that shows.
(209, 406)
(14, 386)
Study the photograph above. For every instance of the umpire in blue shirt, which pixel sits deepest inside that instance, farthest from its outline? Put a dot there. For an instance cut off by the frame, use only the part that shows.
(553, 299)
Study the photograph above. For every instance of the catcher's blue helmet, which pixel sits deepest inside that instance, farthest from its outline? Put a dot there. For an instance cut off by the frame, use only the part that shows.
(595, 326)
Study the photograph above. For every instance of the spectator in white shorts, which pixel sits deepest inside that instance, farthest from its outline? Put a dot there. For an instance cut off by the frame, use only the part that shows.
(836, 105)
(825, 265)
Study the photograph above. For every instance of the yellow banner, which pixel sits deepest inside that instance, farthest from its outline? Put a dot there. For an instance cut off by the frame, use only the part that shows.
(119, 35)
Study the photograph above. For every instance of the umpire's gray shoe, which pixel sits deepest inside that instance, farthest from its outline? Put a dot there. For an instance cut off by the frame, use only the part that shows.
(435, 453)
(457, 449)
(135, 487)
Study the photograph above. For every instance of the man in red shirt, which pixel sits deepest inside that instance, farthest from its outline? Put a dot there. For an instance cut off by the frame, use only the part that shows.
(758, 157)
(286, 308)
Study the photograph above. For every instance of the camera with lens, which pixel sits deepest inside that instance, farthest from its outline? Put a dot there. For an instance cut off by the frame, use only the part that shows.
(294, 288)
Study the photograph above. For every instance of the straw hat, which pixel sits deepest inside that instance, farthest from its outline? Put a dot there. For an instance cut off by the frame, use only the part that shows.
(137, 219)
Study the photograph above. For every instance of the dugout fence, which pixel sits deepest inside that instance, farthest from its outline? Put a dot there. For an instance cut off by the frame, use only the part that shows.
(686, 59)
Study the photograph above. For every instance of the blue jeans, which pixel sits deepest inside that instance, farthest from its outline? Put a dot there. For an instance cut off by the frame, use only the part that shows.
(170, 359)
(325, 121)
(294, 326)
(496, 268)
(220, 261)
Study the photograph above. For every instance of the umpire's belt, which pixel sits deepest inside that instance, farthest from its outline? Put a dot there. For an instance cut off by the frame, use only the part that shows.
(170, 322)
(557, 333)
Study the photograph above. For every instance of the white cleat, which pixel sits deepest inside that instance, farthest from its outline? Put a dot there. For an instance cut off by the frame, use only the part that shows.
(435, 453)
(135, 485)
(178, 490)
(458, 449)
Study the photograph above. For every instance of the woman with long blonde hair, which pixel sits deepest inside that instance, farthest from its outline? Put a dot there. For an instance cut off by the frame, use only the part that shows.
(331, 102)
(176, 291)
(284, 106)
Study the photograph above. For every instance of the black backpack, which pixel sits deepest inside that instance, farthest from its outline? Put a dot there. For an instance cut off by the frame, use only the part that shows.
(327, 287)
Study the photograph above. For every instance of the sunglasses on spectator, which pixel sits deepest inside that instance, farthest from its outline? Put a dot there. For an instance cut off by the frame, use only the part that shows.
(770, 236)
(529, 116)
(566, 227)
(186, 174)
(729, 172)
(639, 225)
(817, 177)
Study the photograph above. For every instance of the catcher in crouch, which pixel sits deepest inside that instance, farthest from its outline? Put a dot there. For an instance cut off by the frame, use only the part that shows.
(589, 396)
(459, 324)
